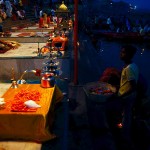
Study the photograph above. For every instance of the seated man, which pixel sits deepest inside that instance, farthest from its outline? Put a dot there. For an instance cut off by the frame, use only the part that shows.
(45, 24)
(43, 21)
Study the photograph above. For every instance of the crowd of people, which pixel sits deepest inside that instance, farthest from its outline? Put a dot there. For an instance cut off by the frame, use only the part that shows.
(14, 10)
(129, 84)
(121, 23)
(46, 18)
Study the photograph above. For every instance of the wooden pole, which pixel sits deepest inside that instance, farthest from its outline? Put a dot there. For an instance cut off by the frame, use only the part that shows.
(75, 42)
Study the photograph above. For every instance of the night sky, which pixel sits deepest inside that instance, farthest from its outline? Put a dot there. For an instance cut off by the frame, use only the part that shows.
(142, 4)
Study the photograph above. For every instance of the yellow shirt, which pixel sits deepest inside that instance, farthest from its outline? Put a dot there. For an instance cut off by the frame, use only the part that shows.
(131, 72)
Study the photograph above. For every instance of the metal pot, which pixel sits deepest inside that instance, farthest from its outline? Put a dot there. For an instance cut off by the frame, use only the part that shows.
(47, 81)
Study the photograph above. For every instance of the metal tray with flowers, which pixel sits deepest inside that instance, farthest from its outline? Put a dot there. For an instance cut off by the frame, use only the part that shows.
(99, 91)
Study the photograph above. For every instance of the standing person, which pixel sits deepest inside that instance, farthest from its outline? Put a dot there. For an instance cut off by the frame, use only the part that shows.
(128, 88)
(8, 8)
(126, 95)
(130, 72)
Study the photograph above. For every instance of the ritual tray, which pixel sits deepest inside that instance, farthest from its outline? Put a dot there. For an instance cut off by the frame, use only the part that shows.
(93, 94)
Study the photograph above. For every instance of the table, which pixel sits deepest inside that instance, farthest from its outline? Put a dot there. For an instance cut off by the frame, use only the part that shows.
(30, 126)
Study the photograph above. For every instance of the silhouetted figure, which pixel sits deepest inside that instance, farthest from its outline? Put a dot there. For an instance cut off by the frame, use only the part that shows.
(125, 97)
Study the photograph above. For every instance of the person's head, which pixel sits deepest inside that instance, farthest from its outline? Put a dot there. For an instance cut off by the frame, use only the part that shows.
(127, 52)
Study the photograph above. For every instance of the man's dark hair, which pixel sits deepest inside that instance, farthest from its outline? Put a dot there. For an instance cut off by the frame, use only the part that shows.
(130, 50)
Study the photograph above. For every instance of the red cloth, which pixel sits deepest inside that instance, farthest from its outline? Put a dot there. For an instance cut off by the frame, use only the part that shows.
(41, 22)
(111, 75)
(48, 20)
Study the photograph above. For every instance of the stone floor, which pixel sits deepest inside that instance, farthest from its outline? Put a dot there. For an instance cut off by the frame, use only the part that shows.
(24, 50)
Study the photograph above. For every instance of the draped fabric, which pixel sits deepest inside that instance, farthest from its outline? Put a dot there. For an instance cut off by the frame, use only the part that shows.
(30, 126)
(40, 22)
